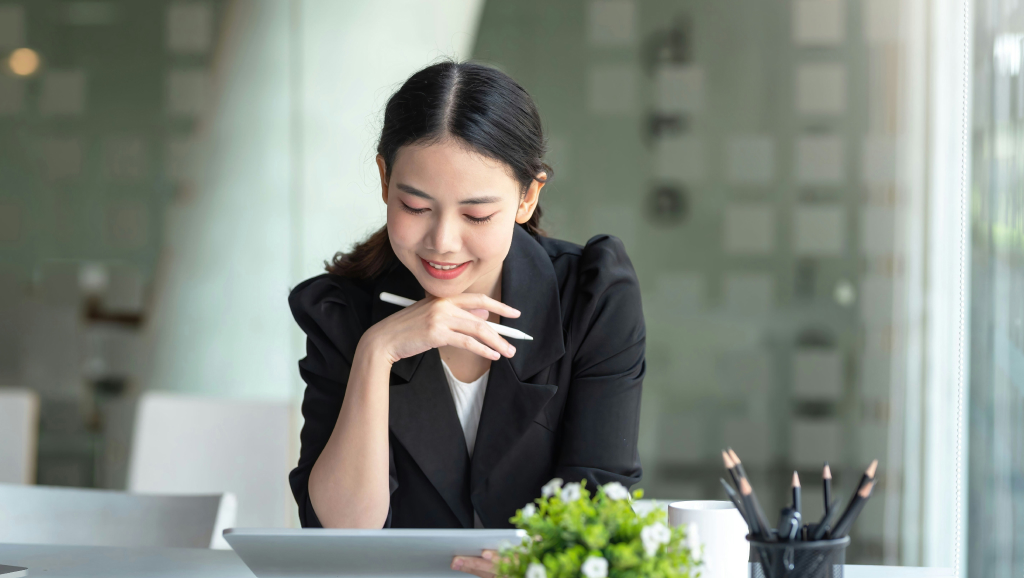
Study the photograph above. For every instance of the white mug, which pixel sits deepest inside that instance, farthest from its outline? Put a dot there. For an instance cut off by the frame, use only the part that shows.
(721, 531)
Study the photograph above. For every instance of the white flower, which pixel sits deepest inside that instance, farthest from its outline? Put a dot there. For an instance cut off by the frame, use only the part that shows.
(595, 567)
(616, 491)
(528, 511)
(551, 488)
(654, 536)
(570, 493)
(693, 541)
(536, 570)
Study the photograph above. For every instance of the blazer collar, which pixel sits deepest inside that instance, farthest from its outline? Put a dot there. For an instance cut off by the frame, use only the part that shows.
(529, 283)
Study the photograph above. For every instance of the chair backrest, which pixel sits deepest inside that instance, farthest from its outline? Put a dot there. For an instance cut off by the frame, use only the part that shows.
(192, 444)
(87, 517)
(19, 431)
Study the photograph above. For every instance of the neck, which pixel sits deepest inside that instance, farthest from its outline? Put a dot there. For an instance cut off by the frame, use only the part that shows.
(489, 284)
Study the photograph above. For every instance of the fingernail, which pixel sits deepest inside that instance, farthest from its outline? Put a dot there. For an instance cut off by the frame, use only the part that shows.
(487, 555)
(457, 564)
(511, 351)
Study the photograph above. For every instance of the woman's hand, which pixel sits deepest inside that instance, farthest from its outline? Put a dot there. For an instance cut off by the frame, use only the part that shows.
(458, 321)
(482, 566)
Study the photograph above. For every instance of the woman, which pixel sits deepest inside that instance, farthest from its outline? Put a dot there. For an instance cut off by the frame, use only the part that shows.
(425, 416)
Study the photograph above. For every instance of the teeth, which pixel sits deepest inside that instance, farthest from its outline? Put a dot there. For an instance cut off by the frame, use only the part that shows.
(442, 267)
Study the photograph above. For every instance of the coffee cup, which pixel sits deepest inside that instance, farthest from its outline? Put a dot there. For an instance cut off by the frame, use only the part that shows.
(722, 533)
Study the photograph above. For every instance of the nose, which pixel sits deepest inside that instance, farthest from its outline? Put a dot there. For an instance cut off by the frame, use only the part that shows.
(444, 237)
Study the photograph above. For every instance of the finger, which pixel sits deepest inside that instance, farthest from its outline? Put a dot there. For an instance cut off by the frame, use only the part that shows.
(482, 332)
(481, 301)
(466, 342)
(481, 313)
(491, 555)
(473, 565)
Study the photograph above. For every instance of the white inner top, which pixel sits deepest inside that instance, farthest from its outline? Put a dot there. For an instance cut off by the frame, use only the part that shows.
(469, 401)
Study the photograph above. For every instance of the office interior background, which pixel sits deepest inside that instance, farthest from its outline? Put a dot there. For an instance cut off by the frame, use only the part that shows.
(788, 177)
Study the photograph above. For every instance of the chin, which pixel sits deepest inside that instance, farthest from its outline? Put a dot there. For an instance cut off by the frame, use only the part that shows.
(444, 292)
(442, 289)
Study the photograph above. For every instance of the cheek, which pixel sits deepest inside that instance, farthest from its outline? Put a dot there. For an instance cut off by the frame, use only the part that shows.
(403, 229)
(490, 245)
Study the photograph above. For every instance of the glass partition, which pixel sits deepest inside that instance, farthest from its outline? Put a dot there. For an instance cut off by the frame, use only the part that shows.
(996, 500)
(751, 155)
(99, 106)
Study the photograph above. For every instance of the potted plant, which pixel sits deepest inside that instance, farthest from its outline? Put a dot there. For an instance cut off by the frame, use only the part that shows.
(571, 534)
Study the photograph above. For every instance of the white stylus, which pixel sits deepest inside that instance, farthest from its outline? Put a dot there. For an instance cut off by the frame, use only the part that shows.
(501, 329)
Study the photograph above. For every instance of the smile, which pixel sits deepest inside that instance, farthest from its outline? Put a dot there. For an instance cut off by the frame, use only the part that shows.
(440, 270)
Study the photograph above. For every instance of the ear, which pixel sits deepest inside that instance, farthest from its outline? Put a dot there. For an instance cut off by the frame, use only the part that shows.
(530, 199)
(382, 167)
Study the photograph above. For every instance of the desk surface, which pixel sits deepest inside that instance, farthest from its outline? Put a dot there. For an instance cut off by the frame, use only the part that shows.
(101, 562)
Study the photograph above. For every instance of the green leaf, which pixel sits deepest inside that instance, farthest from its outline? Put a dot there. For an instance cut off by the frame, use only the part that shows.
(561, 535)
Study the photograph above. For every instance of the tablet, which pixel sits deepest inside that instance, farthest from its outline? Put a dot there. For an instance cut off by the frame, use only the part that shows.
(298, 553)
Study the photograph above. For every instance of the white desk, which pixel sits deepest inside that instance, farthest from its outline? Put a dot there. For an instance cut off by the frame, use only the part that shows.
(102, 562)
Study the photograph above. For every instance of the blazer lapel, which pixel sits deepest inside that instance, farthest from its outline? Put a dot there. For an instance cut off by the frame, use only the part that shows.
(423, 418)
(422, 414)
(510, 406)
(517, 388)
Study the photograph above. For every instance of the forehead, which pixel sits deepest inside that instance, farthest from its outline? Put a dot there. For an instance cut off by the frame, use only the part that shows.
(447, 168)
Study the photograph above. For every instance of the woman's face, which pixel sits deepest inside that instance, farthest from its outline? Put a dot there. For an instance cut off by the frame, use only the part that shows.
(451, 213)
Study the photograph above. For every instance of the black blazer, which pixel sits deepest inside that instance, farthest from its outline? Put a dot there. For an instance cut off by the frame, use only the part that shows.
(566, 405)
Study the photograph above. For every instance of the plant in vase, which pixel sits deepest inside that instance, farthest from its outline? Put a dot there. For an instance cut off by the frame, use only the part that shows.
(571, 534)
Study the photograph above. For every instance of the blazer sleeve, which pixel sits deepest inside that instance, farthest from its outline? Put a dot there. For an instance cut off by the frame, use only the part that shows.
(333, 326)
(601, 420)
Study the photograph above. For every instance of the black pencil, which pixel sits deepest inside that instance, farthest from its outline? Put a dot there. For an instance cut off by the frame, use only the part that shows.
(739, 465)
(826, 480)
(752, 523)
(852, 511)
(869, 474)
(735, 499)
(796, 492)
(758, 511)
(730, 466)
(822, 528)
(751, 505)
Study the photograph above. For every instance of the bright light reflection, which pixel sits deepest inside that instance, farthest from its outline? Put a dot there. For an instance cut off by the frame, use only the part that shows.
(23, 61)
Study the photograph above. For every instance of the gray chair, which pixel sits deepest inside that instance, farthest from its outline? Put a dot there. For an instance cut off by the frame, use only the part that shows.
(192, 444)
(87, 517)
(19, 431)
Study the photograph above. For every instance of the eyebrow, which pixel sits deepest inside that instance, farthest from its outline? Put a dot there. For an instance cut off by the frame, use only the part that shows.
(473, 201)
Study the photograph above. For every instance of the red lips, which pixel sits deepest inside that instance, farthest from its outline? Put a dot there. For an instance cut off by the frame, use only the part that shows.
(444, 274)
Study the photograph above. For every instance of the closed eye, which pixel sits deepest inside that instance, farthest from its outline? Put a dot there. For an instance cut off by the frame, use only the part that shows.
(412, 210)
(479, 219)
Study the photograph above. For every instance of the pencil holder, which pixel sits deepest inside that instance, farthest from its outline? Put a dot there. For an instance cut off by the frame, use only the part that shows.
(812, 559)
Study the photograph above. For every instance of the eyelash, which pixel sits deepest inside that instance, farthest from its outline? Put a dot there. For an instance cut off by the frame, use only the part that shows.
(477, 220)
(412, 210)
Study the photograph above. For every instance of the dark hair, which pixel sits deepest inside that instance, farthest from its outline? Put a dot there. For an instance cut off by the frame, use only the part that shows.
(479, 106)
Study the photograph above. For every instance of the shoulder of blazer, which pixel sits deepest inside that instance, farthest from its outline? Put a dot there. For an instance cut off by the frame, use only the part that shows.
(599, 251)
(598, 287)
(333, 312)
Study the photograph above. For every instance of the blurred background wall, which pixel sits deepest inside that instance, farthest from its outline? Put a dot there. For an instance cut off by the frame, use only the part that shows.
(748, 153)
(785, 175)
(145, 134)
